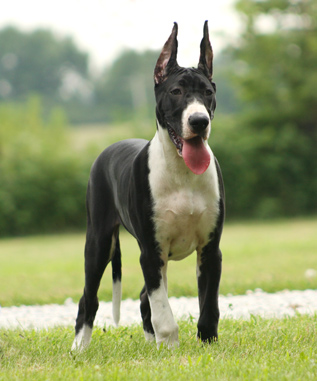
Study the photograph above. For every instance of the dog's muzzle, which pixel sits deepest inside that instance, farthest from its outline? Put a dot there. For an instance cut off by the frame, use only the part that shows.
(198, 123)
(193, 150)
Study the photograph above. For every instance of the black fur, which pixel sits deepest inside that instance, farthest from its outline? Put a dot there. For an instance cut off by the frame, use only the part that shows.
(119, 193)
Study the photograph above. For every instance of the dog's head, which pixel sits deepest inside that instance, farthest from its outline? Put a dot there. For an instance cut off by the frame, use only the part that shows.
(185, 99)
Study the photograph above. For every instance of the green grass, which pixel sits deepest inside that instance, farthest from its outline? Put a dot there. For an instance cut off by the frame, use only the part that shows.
(271, 256)
(248, 350)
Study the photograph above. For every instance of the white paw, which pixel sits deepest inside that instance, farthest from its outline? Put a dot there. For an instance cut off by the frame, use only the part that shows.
(167, 335)
(149, 336)
(82, 339)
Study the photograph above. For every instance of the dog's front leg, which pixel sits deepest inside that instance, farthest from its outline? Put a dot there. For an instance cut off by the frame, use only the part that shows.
(209, 263)
(164, 325)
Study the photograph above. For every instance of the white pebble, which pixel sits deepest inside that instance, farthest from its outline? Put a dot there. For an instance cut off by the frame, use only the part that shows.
(310, 274)
(280, 304)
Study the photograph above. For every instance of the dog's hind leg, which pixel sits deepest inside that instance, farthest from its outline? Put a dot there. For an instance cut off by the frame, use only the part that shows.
(146, 315)
(101, 241)
(96, 260)
(116, 280)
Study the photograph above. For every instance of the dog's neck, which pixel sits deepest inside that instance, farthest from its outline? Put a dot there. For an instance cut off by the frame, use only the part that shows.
(164, 144)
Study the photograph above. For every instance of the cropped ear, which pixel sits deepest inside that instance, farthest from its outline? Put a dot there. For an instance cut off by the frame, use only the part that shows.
(167, 58)
(206, 54)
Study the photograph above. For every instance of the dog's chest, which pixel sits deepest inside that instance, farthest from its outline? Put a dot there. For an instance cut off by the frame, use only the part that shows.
(185, 206)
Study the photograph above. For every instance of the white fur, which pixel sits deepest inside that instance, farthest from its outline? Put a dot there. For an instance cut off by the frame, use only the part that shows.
(116, 301)
(82, 339)
(116, 289)
(186, 205)
(198, 264)
(165, 328)
(149, 336)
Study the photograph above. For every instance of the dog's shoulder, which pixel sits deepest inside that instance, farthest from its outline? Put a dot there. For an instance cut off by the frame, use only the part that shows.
(118, 157)
(123, 149)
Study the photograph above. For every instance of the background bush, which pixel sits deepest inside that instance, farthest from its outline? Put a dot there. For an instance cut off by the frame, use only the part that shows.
(268, 174)
(269, 156)
(42, 180)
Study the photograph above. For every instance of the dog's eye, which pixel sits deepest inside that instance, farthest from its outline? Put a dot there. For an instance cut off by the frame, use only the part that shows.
(176, 91)
(208, 92)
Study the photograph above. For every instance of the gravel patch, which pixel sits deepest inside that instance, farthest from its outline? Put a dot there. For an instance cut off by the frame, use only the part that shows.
(278, 305)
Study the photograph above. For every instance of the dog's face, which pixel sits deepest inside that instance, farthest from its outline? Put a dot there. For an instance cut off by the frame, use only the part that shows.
(186, 101)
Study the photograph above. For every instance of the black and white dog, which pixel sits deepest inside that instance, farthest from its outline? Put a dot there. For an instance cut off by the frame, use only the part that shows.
(168, 193)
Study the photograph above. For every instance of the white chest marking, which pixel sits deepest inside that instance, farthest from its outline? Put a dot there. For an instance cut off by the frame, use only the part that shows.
(186, 205)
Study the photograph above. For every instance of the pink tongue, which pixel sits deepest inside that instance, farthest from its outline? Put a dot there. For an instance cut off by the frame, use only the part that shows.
(196, 155)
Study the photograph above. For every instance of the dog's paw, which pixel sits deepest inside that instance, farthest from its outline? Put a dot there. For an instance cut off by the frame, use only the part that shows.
(82, 339)
(168, 336)
(149, 336)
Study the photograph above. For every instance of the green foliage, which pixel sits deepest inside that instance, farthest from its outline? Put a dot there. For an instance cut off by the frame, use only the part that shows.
(268, 173)
(127, 86)
(36, 62)
(279, 76)
(42, 183)
(258, 349)
(268, 150)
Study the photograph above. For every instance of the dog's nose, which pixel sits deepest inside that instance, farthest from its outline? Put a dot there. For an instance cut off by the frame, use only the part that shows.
(198, 122)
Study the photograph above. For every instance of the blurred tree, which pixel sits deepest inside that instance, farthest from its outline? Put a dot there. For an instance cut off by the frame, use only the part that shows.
(227, 98)
(274, 66)
(39, 62)
(277, 64)
(127, 85)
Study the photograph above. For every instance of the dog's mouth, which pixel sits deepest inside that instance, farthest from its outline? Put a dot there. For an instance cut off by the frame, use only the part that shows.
(193, 151)
(177, 140)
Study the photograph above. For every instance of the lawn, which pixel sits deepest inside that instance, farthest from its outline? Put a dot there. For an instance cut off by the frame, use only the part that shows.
(49, 269)
(248, 350)
(271, 256)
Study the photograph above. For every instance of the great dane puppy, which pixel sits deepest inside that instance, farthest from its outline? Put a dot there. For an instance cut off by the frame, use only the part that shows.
(168, 193)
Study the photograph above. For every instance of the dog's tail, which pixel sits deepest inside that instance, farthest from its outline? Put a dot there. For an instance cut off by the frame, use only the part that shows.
(116, 282)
